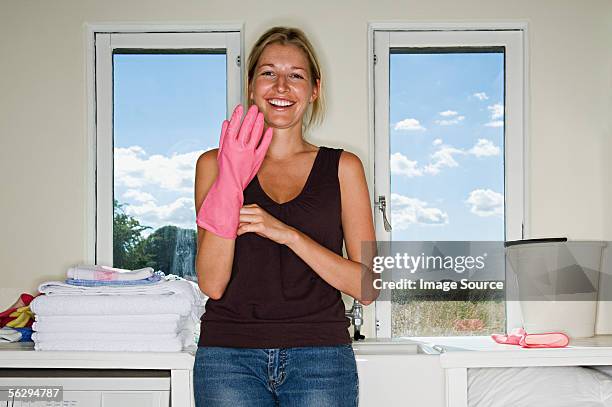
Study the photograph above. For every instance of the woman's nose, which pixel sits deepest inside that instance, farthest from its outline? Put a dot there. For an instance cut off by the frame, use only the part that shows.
(281, 84)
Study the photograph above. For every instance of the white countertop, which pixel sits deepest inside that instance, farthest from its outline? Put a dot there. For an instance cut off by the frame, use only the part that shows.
(482, 351)
(468, 352)
(23, 355)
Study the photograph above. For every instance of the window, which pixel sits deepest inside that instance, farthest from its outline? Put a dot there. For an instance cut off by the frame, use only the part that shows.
(160, 99)
(448, 147)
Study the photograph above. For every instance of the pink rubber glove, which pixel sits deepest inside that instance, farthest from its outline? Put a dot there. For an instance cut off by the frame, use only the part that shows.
(238, 160)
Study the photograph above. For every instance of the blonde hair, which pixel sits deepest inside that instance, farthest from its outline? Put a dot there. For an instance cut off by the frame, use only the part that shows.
(290, 36)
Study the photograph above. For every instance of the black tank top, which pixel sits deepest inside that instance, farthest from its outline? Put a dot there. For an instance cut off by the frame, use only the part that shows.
(273, 298)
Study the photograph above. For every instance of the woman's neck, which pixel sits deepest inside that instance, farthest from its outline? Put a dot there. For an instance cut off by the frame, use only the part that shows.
(286, 143)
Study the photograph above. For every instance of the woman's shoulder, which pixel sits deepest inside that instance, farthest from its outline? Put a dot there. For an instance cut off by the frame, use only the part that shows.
(207, 158)
(348, 159)
(350, 166)
(206, 165)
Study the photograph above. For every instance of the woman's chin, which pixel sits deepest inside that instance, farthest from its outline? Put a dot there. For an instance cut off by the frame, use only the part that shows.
(280, 124)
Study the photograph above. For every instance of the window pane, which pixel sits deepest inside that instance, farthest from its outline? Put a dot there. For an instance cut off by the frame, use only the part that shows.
(167, 110)
(447, 171)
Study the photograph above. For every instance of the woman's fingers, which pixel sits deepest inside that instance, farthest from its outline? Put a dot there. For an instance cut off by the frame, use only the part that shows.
(234, 124)
(260, 152)
(247, 124)
(224, 127)
(256, 133)
(250, 218)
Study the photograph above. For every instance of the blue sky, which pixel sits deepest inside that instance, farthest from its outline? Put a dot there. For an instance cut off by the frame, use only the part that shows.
(167, 111)
(446, 146)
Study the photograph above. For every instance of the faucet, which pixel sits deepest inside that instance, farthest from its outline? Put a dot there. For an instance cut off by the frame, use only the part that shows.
(355, 314)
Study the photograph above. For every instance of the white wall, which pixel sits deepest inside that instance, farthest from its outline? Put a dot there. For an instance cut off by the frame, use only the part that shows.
(43, 103)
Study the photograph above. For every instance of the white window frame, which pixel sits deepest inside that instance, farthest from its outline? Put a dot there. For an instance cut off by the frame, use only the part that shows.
(513, 36)
(101, 40)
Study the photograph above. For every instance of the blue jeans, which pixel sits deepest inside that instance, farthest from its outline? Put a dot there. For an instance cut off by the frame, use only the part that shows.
(317, 376)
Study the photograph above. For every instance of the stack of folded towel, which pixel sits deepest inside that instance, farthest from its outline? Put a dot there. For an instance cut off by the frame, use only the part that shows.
(100, 308)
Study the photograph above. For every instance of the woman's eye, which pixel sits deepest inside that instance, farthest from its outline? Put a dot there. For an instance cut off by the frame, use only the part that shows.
(267, 72)
(298, 76)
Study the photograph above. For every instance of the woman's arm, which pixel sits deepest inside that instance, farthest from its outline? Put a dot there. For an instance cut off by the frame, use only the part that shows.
(215, 255)
(347, 275)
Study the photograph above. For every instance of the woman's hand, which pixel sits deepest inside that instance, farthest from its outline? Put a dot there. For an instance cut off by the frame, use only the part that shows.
(238, 160)
(255, 219)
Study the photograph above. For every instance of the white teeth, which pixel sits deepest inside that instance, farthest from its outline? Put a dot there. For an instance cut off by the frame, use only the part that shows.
(282, 103)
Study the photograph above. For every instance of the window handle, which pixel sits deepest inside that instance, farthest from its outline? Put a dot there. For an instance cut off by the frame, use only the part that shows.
(382, 206)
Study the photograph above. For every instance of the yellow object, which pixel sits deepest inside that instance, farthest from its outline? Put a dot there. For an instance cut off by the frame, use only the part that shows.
(17, 321)
(23, 315)
(24, 322)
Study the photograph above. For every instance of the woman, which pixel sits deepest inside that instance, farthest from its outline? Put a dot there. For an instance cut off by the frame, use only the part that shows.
(270, 259)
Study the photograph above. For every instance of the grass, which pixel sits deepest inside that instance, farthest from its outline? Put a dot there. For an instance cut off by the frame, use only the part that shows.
(447, 318)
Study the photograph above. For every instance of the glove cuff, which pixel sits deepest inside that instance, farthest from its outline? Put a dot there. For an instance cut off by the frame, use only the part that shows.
(220, 212)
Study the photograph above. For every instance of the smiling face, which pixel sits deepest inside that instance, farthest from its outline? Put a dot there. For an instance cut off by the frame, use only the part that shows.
(282, 87)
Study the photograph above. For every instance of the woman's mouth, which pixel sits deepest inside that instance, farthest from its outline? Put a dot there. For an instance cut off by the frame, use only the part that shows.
(280, 104)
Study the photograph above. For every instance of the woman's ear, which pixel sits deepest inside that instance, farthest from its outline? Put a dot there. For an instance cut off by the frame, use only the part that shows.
(315, 91)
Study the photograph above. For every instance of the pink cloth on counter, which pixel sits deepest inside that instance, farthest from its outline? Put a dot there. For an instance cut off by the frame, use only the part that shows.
(521, 338)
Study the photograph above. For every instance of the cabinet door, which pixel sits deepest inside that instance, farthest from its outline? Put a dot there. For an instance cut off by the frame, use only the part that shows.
(135, 399)
(400, 380)
(71, 399)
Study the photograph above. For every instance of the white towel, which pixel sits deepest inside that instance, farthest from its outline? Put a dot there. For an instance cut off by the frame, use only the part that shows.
(181, 342)
(8, 334)
(104, 319)
(160, 323)
(109, 326)
(111, 304)
(111, 336)
(171, 284)
(106, 273)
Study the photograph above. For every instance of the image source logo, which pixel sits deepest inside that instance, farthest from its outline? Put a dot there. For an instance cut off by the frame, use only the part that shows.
(485, 271)
(445, 270)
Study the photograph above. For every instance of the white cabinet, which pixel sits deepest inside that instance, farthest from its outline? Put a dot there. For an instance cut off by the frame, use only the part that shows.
(102, 378)
(396, 373)
(95, 388)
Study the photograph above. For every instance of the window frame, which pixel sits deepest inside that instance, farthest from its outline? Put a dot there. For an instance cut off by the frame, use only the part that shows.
(513, 36)
(101, 40)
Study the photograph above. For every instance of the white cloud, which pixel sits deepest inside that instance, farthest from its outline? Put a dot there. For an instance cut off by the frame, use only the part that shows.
(450, 122)
(453, 118)
(443, 157)
(180, 213)
(406, 211)
(484, 148)
(409, 125)
(401, 165)
(138, 196)
(448, 113)
(480, 96)
(135, 169)
(147, 177)
(497, 111)
(485, 202)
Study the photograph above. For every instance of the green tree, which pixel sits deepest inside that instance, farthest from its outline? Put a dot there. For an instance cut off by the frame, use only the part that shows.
(169, 248)
(129, 247)
(172, 250)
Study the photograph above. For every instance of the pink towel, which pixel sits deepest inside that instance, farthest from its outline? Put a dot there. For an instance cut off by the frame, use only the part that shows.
(521, 338)
(106, 273)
